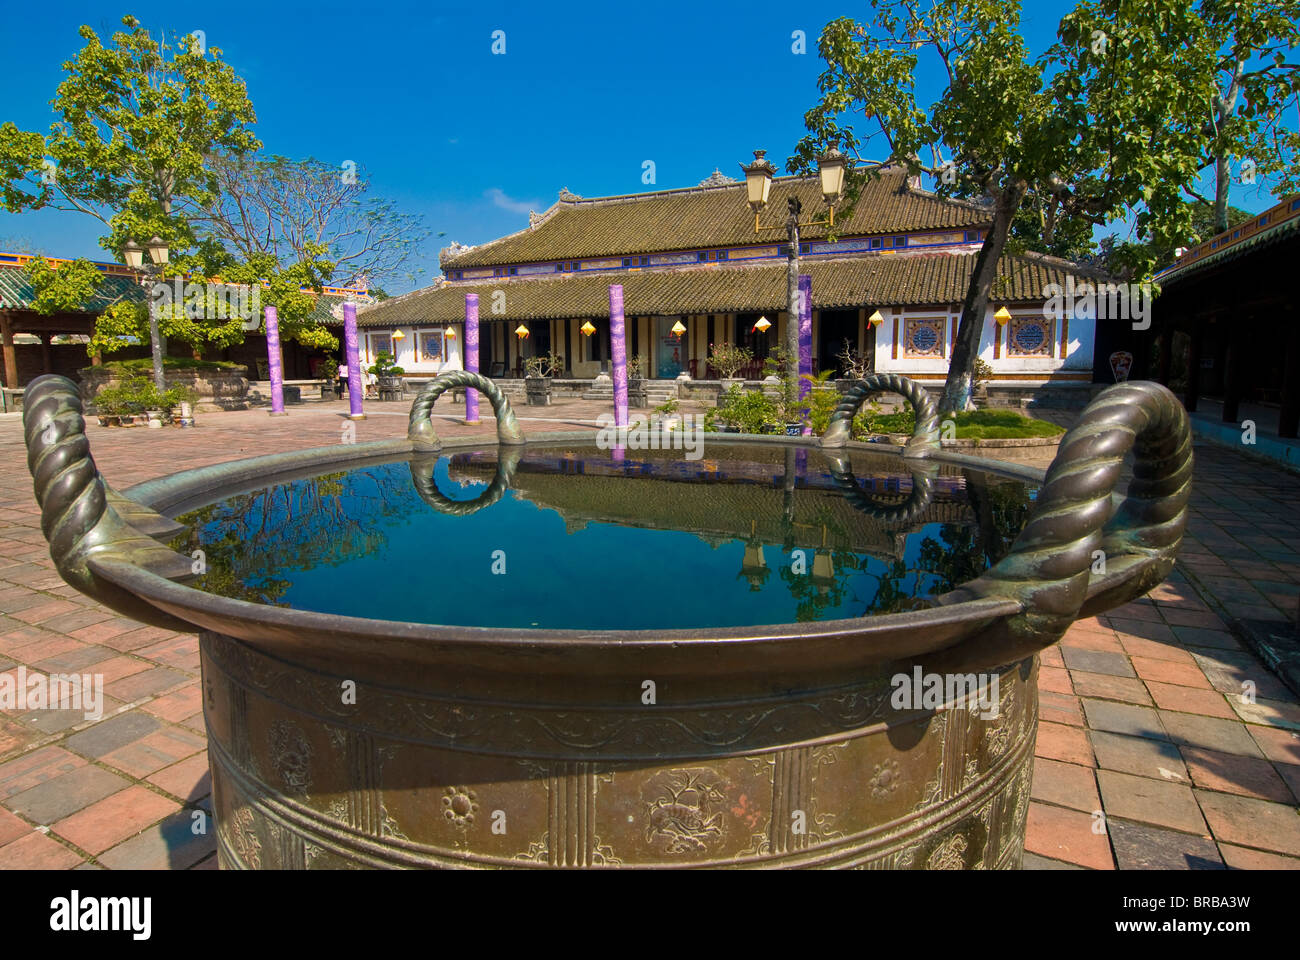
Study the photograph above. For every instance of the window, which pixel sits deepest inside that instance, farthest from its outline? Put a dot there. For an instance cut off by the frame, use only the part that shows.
(430, 346)
(900, 241)
(379, 342)
(923, 336)
(1030, 337)
(703, 255)
(876, 243)
(514, 271)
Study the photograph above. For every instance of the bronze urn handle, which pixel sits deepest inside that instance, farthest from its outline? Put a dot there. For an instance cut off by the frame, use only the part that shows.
(925, 438)
(421, 429)
(1081, 552)
(81, 516)
(426, 485)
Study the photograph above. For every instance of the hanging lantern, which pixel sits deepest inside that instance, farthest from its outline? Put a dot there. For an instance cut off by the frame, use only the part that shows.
(876, 319)
(450, 333)
(762, 325)
(521, 332)
(588, 328)
(1002, 316)
(678, 329)
(398, 335)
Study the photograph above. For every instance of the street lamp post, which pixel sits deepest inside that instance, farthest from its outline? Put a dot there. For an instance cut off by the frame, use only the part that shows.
(758, 185)
(133, 253)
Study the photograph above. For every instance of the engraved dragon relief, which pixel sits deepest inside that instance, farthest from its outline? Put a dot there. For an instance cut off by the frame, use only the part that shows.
(290, 755)
(686, 814)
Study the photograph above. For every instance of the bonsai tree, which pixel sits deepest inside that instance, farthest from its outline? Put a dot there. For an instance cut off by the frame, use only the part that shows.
(729, 358)
(384, 366)
(636, 367)
(543, 365)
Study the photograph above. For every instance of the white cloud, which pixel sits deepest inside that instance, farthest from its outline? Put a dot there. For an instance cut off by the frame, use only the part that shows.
(500, 199)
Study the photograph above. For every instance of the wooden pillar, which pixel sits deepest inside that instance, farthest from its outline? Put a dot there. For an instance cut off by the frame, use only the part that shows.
(47, 364)
(1288, 421)
(568, 346)
(1232, 372)
(1165, 358)
(1195, 338)
(10, 355)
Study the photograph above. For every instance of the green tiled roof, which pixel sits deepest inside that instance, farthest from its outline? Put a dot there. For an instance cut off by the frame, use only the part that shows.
(16, 293)
(711, 217)
(881, 280)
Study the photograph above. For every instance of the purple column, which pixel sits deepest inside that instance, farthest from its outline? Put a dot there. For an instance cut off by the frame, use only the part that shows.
(274, 363)
(353, 354)
(471, 354)
(618, 346)
(805, 338)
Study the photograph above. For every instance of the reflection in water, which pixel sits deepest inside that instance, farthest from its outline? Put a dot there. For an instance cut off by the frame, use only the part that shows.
(592, 541)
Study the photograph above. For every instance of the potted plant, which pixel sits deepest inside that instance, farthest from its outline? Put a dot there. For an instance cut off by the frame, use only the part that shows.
(982, 374)
(790, 412)
(178, 404)
(729, 359)
(388, 375)
(855, 366)
(667, 414)
(109, 404)
(636, 392)
(745, 411)
(537, 378)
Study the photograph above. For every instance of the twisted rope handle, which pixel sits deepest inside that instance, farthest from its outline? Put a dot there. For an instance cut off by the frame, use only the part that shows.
(427, 486)
(77, 508)
(906, 512)
(421, 425)
(925, 438)
(1075, 527)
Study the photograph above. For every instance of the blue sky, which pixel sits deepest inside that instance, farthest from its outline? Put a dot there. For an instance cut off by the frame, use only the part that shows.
(585, 93)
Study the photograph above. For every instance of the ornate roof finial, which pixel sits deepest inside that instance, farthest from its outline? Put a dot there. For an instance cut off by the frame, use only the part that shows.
(568, 196)
(717, 179)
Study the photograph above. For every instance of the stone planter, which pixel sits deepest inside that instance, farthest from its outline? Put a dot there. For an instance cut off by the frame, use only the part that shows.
(213, 389)
(537, 391)
(730, 382)
(636, 393)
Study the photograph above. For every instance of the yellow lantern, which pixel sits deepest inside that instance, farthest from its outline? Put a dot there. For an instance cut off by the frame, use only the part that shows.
(678, 329)
(398, 335)
(587, 328)
(876, 319)
(450, 333)
(1002, 316)
(762, 325)
(521, 332)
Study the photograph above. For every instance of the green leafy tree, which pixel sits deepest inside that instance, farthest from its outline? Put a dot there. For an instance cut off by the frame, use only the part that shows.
(64, 288)
(1254, 76)
(138, 123)
(1082, 132)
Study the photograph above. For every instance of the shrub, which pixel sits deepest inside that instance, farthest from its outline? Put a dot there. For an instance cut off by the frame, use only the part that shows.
(729, 358)
(384, 366)
(751, 411)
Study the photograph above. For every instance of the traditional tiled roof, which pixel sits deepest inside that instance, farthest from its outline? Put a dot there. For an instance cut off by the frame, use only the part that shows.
(707, 216)
(17, 293)
(881, 280)
(1273, 226)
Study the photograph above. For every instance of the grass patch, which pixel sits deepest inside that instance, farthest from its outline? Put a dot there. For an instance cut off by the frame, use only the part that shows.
(972, 425)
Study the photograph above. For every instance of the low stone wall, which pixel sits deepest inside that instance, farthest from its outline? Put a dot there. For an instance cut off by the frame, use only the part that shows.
(215, 389)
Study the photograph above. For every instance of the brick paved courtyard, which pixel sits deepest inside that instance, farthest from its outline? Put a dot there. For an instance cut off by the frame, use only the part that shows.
(1141, 711)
